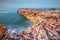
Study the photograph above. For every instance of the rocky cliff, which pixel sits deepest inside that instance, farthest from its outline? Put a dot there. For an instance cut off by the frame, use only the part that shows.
(46, 24)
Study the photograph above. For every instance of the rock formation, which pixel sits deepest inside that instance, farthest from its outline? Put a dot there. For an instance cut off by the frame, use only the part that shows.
(46, 24)
(3, 29)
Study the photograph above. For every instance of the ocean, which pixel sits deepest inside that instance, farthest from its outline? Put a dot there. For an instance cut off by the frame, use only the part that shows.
(14, 20)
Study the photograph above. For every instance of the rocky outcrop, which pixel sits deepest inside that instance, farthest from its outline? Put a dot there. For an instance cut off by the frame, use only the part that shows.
(3, 29)
(36, 15)
(46, 24)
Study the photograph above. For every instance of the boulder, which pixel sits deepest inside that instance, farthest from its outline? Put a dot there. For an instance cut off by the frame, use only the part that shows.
(3, 29)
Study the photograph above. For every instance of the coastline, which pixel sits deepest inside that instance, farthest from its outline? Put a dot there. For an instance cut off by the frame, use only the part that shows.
(46, 26)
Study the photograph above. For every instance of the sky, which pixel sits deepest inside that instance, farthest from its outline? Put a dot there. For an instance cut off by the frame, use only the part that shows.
(29, 4)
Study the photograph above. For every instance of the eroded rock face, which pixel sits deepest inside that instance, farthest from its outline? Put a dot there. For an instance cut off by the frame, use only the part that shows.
(37, 15)
(46, 24)
(3, 29)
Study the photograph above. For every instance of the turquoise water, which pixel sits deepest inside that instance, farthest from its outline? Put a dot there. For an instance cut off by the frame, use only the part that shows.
(13, 20)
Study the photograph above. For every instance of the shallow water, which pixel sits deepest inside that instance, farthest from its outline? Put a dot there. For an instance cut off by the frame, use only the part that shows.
(14, 21)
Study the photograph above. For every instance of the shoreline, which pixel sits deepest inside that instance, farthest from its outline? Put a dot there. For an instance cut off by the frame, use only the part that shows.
(46, 26)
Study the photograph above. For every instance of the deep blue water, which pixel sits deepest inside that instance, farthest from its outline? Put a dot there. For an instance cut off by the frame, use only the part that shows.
(13, 20)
